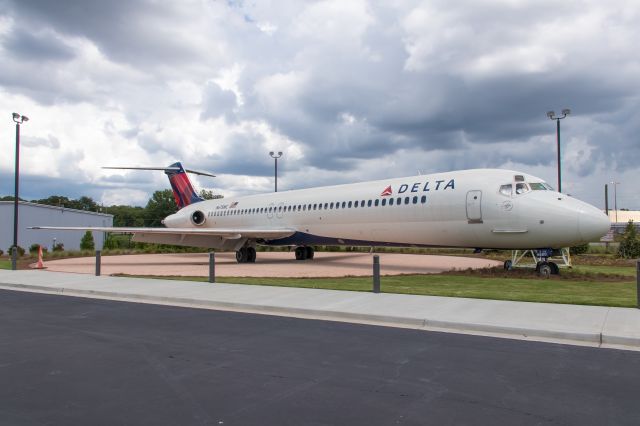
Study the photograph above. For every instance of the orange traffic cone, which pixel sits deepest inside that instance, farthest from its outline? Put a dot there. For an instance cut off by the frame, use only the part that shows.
(40, 264)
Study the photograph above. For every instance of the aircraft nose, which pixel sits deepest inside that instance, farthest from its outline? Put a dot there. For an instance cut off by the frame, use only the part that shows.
(592, 223)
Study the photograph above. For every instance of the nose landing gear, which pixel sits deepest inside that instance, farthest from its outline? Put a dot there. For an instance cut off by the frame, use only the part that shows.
(542, 263)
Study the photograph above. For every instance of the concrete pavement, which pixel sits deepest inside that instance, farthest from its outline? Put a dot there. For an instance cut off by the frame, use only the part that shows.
(573, 324)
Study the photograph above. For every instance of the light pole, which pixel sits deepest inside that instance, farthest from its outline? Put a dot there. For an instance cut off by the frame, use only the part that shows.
(18, 119)
(275, 157)
(552, 115)
(615, 197)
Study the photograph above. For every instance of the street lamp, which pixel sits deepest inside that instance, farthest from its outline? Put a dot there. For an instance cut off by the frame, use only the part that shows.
(615, 197)
(552, 116)
(275, 157)
(18, 119)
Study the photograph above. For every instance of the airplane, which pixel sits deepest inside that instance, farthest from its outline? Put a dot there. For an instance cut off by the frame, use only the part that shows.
(478, 208)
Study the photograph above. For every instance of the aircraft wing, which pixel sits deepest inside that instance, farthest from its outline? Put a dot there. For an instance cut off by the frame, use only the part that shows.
(225, 233)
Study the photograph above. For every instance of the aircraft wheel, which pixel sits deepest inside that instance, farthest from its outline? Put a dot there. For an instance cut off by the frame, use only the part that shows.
(309, 252)
(301, 253)
(544, 270)
(241, 255)
(251, 255)
(555, 269)
(508, 265)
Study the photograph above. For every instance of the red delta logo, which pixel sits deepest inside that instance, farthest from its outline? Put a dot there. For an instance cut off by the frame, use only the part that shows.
(387, 191)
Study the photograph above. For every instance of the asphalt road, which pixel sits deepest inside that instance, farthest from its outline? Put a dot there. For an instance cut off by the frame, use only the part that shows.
(70, 361)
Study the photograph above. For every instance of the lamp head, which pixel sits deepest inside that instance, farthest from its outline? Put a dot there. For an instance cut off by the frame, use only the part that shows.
(25, 118)
(566, 111)
(279, 153)
(16, 116)
(551, 114)
(271, 153)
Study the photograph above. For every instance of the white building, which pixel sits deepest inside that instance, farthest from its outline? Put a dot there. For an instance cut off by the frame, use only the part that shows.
(620, 219)
(31, 214)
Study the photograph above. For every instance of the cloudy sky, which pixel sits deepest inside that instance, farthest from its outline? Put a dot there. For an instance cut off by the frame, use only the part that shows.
(349, 90)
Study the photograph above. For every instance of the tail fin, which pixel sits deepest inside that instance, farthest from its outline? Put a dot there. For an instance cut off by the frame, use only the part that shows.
(183, 191)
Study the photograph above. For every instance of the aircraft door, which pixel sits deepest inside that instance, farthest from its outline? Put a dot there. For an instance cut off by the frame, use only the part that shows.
(474, 206)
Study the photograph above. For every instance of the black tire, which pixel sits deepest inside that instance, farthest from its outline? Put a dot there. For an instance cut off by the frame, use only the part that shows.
(241, 255)
(309, 252)
(555, 269)
(301, 253)
(508, 265)
(544, 270)
(251, 255)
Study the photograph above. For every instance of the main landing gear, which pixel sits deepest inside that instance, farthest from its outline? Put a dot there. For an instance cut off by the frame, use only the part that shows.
(304, 253)
(246, 255)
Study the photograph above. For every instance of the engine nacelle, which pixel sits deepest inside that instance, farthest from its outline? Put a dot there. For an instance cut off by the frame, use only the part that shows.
(198, 218)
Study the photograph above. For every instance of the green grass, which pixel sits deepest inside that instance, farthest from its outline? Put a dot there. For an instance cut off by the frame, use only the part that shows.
(627, 271)
(5, 264)
(622, 294)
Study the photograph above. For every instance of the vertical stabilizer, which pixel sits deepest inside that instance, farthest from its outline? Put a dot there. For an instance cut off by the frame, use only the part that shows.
(183, 191)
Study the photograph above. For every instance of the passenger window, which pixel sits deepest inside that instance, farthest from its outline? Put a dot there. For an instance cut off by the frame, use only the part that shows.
(315, 206)
(506, 190)
(384, 201)
(376, 202)
(369, 203)
(349, 205)
(423, 199)
(355, 204)
(331, 206)
(390, 201)
(326, 206)
(362, 203)
(344, 203)
(399, 201)
(406, 200)
(415, 199)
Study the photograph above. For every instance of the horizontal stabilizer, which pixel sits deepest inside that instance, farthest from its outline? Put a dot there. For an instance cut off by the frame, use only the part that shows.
(165, 169)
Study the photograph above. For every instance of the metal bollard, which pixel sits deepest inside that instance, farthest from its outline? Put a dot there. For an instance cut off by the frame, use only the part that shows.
(98, 261)
(376, 273)
(638, 283)
(14, 258)
(212, 267)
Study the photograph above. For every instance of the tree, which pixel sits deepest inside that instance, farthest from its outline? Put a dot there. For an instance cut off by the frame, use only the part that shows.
(630, 244)
(160, 205)
(87, 241)
(127, 215)
(209, 195)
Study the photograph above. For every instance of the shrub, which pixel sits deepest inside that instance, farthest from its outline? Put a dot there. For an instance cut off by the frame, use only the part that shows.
(630, 244)
(20, 251)
(581, 249)
(87, 242)
(58, 247)
(1, 252)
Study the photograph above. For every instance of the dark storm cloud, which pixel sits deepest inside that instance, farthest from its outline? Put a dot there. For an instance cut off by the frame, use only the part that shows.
(217, 102)
(127, 31)
(40, 46)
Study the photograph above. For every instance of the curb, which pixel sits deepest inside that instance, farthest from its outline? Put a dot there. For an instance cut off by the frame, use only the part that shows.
(593, 339)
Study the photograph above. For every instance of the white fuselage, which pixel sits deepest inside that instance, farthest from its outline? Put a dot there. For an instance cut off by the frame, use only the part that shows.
(470, 208)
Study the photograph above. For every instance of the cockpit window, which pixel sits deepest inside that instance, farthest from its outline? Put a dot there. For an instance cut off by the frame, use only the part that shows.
(538, 186)
(506, 190)
(522, 188)
(518, 178)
